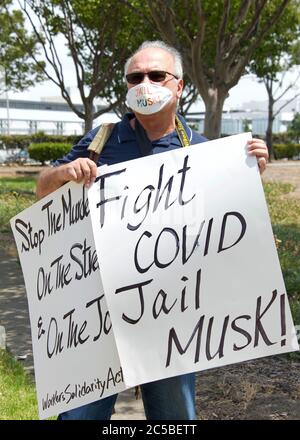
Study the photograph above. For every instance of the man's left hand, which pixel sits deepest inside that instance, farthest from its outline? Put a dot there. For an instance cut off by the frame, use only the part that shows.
(258, 148)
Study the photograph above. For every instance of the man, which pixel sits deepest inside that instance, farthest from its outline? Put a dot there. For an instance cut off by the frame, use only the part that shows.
(154, 81)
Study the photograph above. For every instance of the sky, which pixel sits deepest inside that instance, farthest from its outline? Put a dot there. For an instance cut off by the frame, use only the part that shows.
(248, 89)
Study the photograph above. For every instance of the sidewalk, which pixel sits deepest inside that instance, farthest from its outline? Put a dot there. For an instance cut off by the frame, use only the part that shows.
(14, 316)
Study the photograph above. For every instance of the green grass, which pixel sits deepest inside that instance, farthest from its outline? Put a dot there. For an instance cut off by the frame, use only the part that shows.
(283, 211)
(285, 218)
(17, 392)
(21, 184)
(16, 194)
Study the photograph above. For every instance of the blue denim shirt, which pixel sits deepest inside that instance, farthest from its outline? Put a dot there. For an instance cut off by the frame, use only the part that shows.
(122, 144)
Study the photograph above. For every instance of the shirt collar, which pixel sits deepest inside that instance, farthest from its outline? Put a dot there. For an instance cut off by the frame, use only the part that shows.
(126, 132)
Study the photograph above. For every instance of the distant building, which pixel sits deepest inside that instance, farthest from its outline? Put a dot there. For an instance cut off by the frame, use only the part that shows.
(238, 121)
(51, 116)
(250, 116)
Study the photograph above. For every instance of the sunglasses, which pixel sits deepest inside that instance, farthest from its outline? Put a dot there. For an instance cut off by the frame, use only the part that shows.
(154, 76)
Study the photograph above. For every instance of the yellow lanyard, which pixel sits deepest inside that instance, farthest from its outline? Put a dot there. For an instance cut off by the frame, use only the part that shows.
(183, 137)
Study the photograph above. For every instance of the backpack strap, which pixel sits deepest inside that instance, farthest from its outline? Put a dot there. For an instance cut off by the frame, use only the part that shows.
(97, 144)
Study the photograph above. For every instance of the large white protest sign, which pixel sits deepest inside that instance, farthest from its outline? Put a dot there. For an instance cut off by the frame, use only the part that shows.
(188, 261)
(74, 350)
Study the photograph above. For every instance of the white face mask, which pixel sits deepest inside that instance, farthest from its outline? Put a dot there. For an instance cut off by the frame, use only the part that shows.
(148, 99)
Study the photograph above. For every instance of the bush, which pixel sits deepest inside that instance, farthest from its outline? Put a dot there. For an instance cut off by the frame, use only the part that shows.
(41, 137)
(22, 141)
(294, 128)
(48, 151)
(287, 151)
(12, 142)
(283, 138)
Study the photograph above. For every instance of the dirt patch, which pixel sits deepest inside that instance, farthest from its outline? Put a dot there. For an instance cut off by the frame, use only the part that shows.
(20, 170)
(7, 243)
(261, 389)
(287, 172)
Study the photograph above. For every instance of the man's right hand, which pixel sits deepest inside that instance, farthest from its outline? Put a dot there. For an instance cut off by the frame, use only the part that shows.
(81, 170)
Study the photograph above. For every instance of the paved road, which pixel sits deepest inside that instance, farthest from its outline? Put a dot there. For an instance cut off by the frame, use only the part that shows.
(14, 309)
(14, 316)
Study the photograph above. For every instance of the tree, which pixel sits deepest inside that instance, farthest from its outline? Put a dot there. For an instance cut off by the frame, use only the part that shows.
(99, 36)
(17, 72)
(217, 39)
(274, 96)
(188, 97)
(273, 59)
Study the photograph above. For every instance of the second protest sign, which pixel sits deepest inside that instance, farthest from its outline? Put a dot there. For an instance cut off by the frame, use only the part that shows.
(188, 261)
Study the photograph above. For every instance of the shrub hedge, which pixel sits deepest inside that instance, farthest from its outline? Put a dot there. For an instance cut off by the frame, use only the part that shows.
(23, 141)
(283, 145)
(48, 151)
(286, 151)
(284, 138)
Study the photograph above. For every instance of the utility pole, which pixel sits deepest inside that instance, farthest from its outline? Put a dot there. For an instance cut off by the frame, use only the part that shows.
(7, 103)
(3, 80)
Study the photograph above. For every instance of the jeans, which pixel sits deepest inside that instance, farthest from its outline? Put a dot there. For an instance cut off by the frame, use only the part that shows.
(166, 399)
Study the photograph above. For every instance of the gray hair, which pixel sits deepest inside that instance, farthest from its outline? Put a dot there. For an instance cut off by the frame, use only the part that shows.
(157, 44)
